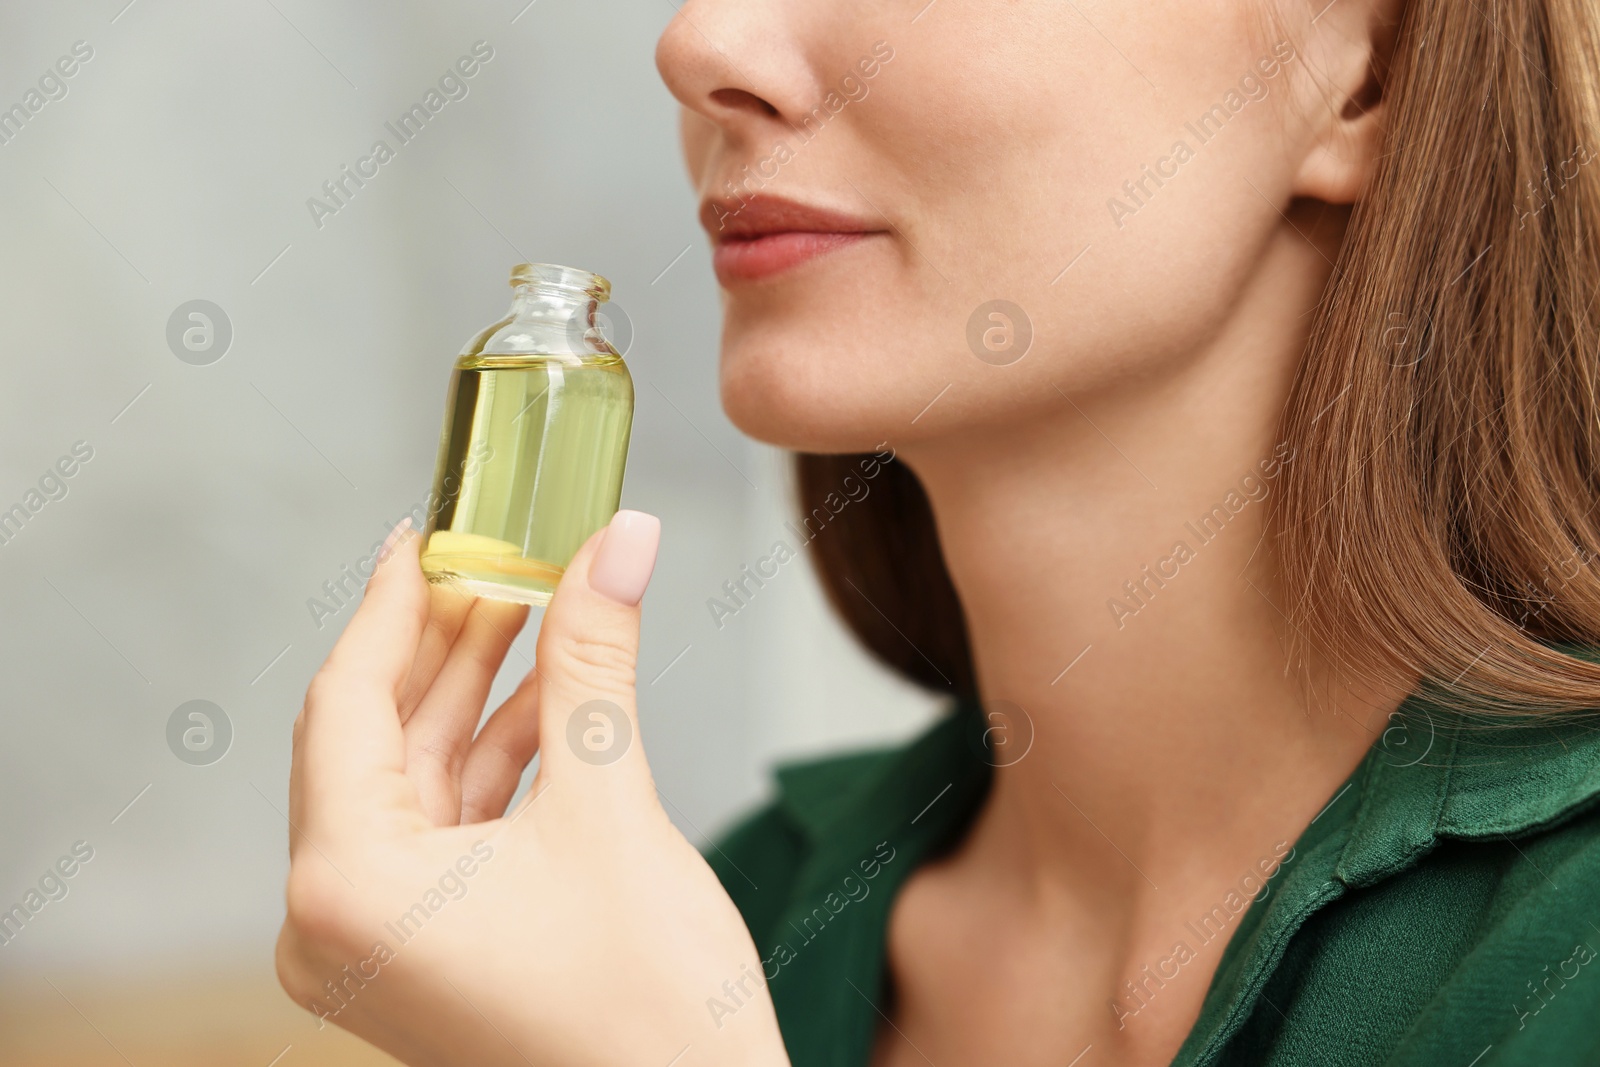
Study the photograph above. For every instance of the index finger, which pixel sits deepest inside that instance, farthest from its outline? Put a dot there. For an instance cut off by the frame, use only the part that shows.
(381, 640)
(350, 732)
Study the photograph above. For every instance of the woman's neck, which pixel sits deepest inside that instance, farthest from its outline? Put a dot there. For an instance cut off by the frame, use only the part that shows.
(1119, 586)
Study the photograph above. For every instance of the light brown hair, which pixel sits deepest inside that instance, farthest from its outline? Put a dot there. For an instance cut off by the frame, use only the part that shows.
(1438, 521)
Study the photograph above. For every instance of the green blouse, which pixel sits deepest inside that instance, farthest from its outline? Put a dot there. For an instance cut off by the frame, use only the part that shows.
(1443, 909)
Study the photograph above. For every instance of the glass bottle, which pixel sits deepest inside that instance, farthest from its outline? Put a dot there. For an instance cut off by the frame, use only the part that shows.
(534, 444)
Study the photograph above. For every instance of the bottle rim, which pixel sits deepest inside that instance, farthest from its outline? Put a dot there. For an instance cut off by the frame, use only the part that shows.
(555, 276)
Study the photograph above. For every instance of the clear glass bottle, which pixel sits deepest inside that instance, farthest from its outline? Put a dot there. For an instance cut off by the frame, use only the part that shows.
(534, 444)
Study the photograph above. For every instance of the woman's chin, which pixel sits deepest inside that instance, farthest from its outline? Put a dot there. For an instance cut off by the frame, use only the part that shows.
(793, 430)
(803, 421)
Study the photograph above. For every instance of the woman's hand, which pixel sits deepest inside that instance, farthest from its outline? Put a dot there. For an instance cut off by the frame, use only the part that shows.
(581, 927)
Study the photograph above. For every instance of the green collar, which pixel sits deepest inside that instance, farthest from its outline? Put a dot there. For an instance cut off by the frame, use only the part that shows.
(1432, 775)
(1437, 774)
(868, 821)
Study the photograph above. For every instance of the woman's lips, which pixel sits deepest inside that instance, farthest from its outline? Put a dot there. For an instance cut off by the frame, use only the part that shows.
(763, 236)
(753, 258)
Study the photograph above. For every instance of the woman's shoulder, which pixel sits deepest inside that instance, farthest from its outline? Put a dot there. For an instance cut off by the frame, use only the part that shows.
(1453, 908)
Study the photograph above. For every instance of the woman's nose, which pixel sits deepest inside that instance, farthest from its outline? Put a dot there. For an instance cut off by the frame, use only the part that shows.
(738, 63)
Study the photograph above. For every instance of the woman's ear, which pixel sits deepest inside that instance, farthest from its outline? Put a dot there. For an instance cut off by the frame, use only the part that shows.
(1347, 105)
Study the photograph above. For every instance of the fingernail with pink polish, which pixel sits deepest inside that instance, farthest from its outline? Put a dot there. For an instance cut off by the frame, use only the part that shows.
(627, 555)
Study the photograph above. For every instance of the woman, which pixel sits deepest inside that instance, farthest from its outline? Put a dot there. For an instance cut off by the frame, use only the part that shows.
(1225, 379)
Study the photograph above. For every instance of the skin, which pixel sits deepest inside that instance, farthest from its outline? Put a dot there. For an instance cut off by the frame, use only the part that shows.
(1177, 752)
(579, 928)
(1172, 753)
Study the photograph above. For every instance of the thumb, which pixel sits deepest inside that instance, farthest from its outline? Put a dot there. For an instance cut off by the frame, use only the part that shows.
(589, 647)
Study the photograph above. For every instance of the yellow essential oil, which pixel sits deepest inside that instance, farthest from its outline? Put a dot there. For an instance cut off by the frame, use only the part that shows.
(534, 444)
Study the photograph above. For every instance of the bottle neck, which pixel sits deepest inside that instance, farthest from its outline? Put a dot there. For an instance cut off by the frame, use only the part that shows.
(554, 305)
(553, 313)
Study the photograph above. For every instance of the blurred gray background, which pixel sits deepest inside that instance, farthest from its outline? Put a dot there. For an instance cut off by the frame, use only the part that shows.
(175, 164)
